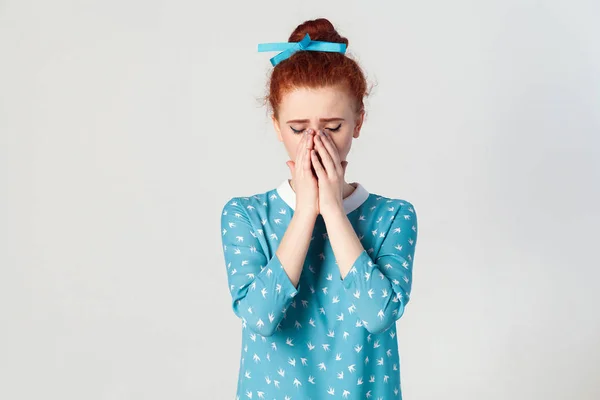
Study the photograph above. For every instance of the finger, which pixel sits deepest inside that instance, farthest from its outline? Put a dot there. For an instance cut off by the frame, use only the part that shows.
(321, 173)
(326, 159)
(332, 149)
(301, 151)
(306, 164)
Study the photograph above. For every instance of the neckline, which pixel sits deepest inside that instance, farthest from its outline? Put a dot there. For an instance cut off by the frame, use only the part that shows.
(351, 202)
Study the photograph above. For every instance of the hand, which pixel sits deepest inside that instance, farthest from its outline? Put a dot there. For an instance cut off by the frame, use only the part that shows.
(305, 181)
(330, 174)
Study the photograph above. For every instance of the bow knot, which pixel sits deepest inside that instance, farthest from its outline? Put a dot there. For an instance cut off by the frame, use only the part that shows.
(306, 44)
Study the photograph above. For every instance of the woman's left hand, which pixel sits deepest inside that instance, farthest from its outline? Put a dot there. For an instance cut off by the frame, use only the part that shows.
(330, 174)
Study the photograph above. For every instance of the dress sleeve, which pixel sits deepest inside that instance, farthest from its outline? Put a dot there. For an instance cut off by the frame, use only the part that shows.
(380, 287)
(260, 288)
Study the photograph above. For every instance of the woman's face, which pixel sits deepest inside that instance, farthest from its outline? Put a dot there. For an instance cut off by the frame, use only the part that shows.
(326, 108)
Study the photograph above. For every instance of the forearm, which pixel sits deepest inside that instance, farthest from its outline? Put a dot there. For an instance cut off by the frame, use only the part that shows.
(345, 244)
(294, 244)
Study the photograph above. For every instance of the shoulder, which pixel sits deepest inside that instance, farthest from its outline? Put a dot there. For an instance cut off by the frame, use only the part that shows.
(243, 203)
(397, 205)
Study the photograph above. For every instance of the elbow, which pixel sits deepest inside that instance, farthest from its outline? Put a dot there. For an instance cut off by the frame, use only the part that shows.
(384, 320)
(266, 331)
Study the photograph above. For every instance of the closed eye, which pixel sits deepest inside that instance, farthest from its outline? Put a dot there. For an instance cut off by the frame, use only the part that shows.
(298, 131)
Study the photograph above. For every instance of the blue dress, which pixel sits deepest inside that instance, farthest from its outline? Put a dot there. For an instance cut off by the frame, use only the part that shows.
(327, 338)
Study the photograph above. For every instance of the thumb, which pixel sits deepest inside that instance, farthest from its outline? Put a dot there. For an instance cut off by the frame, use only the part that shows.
(344, 165)
(292, 166)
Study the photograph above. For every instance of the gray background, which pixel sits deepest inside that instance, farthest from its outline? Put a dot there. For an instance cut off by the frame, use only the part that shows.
(126, 125)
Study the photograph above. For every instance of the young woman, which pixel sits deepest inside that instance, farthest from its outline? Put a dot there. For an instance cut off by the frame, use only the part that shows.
(319, 269)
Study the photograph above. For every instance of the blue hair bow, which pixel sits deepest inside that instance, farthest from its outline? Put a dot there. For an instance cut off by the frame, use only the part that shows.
(290, 48)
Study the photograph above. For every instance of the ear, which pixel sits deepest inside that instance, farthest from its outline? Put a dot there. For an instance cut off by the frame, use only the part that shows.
(358, 125)
(277, 127)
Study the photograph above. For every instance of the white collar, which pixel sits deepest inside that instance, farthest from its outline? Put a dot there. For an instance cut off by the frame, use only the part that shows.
(351, 202)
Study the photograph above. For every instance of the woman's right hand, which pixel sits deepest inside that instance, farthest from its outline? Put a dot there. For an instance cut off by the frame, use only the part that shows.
(303, 178)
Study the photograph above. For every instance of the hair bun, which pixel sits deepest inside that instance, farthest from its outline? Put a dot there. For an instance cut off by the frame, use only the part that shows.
(319, 29)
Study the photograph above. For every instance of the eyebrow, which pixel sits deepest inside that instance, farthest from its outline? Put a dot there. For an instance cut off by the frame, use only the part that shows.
(300, 121)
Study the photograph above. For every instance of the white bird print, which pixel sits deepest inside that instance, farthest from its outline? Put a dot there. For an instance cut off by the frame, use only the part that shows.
(335, 299)
(326, 346)
(372, 378)
(324, 290)
(311, 379)
(359, 381)
(304, 303)
(249, 394)
(322, 310)
(392, 334)
(303, 361)
(311, 269)
(345, 335)
(385, 378)
(345, 393)
(367, 276)
(250, 275)
(263, 291)
(340, 375)
(260, 323)
(247, 374)
(283, 211)
(362, 218)
(322, 366)
(292, 361)
(240, 239)
(352, 308)
(274, 346)
(261, 395)
(269, 272)
(253, 337)
(277, 221)
(340, 317)
(276, 383)
(405, 264)
(331, 333)
(329, 277)
(312, 322)
(289, 341)
(370, 293)
(281, 372)
(376, 344)
(297, 382)
(273, 236)
(379, 219)
(331, 390)
(380, 314)
(310, 346)
(278, 288)
(271, 316)
(256, 357)
(389, 352)
(297, 325)
(268, 380)
(351, 368)
(357, 294)
(358, 348)
(380, 361)
(368, 394)
(384, 293)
